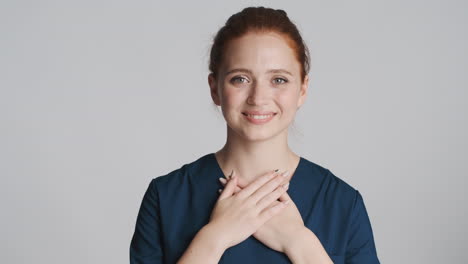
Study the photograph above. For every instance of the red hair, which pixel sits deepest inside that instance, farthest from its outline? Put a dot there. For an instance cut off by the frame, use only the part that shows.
(259, 19)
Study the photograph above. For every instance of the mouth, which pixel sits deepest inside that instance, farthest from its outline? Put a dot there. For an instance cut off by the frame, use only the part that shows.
(259, 115)
(259, 118)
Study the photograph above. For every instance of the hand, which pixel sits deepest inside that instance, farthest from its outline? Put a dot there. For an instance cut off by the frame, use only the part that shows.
(236, 216)
(282, 229)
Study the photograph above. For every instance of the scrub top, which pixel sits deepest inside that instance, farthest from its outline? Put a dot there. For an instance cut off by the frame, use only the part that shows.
(177, 205)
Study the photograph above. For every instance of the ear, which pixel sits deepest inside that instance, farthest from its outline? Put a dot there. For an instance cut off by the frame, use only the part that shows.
(303, 91)
(213, 83)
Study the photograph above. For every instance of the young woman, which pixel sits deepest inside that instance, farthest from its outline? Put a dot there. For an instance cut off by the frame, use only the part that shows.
(259, 77)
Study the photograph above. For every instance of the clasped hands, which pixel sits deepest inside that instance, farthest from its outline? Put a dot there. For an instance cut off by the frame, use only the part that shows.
(261, 208)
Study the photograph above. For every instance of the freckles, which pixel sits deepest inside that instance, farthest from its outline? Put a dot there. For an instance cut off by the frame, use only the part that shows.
(290, 94)
(287, 101)
(232, 101)
(284, 97)
(227, 93)
(233, 95)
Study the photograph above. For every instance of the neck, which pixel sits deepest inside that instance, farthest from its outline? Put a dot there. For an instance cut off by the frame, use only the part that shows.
(251, 159)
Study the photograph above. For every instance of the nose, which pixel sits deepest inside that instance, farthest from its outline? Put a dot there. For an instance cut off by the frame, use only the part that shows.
(258, 94)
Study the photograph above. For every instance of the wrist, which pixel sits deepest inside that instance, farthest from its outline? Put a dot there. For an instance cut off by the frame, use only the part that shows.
(214, 237)
(306, 248)
(206, 247)
(304, 237)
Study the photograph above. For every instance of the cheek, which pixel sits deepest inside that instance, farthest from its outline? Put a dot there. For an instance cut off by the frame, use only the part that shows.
(287, 100)
(232, 97)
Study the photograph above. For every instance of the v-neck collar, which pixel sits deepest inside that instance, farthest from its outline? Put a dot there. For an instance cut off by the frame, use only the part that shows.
(292, 182)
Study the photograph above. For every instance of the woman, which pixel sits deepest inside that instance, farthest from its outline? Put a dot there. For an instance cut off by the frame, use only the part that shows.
(259, 66)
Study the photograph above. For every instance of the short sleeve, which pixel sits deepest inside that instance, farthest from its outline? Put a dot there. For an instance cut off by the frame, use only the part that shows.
(361, 246)
(145, 246)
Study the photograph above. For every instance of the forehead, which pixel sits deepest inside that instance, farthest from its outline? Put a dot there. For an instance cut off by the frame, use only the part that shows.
(259, 52)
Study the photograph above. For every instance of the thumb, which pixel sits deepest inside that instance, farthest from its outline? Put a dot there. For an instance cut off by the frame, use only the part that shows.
(230, 186)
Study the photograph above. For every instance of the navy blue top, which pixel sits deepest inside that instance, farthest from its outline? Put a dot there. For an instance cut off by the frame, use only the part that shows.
(177, 205)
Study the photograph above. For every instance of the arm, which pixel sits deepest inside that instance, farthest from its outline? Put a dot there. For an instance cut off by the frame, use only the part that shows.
(145, 246)
(361, 245)
(307, 249)
(204, 248)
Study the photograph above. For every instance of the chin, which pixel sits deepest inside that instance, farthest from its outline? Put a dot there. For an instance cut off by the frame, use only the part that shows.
(252, 134)
(257, 138)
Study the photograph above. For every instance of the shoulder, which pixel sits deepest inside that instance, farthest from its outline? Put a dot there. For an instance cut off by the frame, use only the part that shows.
(333, 188)
(180, 175)
(325, 175)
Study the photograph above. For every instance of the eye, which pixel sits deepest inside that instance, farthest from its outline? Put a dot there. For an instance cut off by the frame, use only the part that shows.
(280, 81)
(238, 79)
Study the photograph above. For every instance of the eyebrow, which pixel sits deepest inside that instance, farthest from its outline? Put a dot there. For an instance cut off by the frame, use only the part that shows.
(250, 72)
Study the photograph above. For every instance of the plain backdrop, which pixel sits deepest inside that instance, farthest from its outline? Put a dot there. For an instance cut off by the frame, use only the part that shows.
(99, 97)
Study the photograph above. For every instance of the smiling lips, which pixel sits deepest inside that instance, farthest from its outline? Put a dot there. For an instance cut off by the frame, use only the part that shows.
(257, 117)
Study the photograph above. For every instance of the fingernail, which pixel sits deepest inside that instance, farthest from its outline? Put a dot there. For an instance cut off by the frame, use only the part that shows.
(230, 175)
(285, 174)
(286, 185)
(223, 180)
(220, 190)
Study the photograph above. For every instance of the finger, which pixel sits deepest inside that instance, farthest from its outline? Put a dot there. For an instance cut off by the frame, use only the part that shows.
(272, 197)
(284, 197)
(236, 191)
(230, 187)
(253, 186)
(228, 177)
(271, 205)
(272, 211)
(268, 187)
(223, 182)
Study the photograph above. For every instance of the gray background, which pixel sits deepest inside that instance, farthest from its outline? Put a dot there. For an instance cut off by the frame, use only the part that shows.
(99, 97)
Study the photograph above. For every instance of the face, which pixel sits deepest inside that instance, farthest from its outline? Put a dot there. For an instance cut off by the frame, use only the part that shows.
(259, 75)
